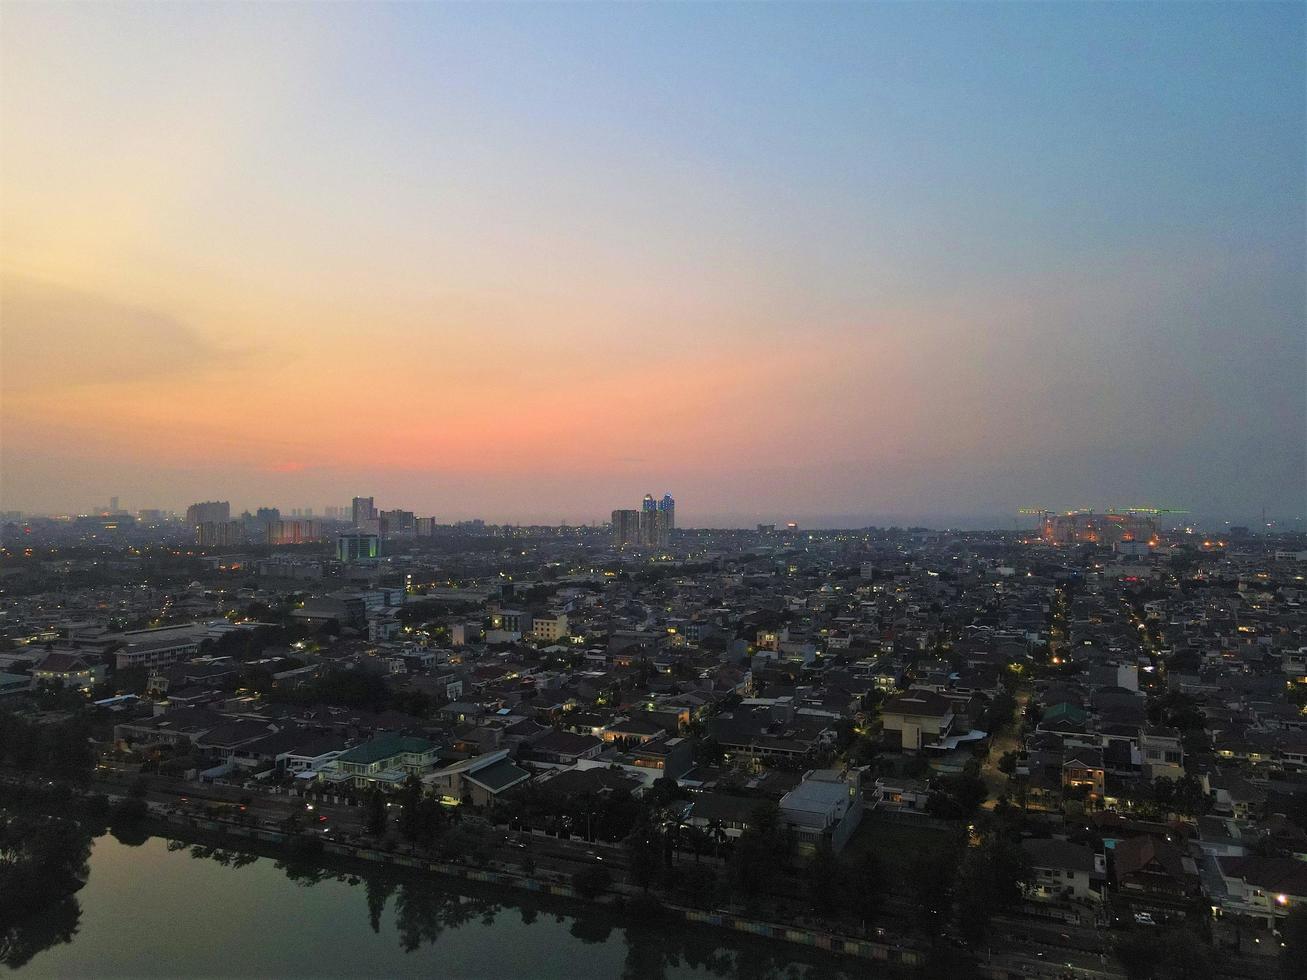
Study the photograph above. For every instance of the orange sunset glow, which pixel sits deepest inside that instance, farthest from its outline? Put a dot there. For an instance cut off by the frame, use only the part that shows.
(295, 252)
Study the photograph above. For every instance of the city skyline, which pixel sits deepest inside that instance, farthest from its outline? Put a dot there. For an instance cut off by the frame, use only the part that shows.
(742, 490)
(794, 261)
(1023, 517)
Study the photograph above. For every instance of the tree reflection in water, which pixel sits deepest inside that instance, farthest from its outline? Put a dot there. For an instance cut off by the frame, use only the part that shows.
(43, 862)
(52, 926)
(425, 908)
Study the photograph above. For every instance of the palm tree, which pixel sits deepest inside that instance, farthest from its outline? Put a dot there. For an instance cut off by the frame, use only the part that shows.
(717, 833)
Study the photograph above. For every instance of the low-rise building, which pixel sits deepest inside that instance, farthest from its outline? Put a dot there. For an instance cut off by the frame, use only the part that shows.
(825, 808)
(385, 760)
(1060, 870)
(916, 719)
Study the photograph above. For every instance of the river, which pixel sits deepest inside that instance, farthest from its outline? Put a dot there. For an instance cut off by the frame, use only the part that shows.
(155, 908)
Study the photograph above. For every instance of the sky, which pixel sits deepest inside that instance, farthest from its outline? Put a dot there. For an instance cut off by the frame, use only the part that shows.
(823, 262)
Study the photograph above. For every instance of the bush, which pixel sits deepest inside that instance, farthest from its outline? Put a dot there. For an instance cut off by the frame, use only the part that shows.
(131, 810)
(303, 847)
(592, 882)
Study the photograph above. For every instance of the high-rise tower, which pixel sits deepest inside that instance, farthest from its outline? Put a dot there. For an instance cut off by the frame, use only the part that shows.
(363, 509)
(668, 506)
(626, 527)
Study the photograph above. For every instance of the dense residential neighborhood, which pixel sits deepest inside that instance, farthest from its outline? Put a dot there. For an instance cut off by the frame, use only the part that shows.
(995, 752)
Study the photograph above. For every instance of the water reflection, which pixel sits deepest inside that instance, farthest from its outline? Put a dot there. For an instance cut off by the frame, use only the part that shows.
(55, 925)
(43, 863)
(425, 909)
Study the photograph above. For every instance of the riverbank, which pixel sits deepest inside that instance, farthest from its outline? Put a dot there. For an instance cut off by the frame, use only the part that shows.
(620, 897)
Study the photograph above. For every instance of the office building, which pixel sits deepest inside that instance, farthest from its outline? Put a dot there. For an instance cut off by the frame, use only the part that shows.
(655, 529)
(1088, 527)
(649, 527)
(358, 547)
(294, 532)
(209, 512)
(362, 509)
(668, 506)
(626, 528)
(220, 534)
(398, 523)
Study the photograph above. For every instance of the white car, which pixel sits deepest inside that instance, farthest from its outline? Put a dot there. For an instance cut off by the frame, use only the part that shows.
(1144, 919)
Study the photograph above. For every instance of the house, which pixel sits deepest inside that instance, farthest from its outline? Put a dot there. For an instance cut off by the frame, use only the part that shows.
(1163, 752)
(631, 730)
(308, 752)
(825, 808)
(69, 669)
(901, 793)
(600, 781)
(566, 748)
(916, 719)
(1151, 867)
(385, 760)
(183, 726)
(1263, 888)
(672, 756)
(477, 781)
(1232, 795)
(549, 628)
(1083, 770)
(223, 742)
(722, 814)
(15, 683)
(1060, 870)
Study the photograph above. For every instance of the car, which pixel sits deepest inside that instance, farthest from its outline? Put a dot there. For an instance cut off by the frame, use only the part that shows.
(1144, 919)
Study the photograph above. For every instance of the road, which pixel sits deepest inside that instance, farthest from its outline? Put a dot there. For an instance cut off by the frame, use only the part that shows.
(996, 783)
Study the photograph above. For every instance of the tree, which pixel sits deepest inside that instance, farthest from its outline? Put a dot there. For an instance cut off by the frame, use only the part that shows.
(376, 813)
(760, 853)
(592, 882)
(701, 885)
(863, 875)
(824, 881)
(1176, 954)
(1293, 954)
(1007, 763)
(410, 801)
(931, 878)
(644, 847)
(990, 882)
(42, 862)
(955, 797)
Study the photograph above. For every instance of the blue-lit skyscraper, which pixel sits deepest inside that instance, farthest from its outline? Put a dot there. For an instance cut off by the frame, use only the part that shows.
(667, 507)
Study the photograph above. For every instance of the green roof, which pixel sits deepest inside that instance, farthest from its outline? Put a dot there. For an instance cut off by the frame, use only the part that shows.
(1065, 712)
(498, 775)
(386, 747)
